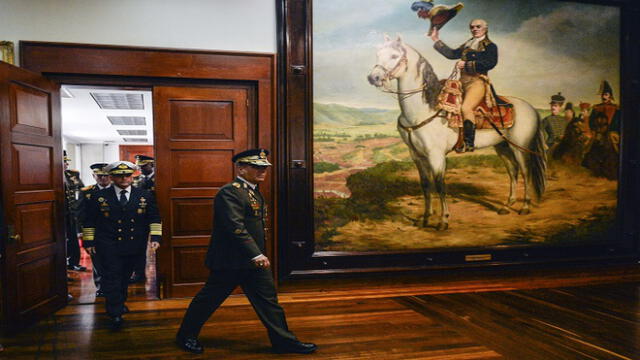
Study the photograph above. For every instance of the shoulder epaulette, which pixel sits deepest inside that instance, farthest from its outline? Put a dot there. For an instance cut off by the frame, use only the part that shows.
(87, 188)
(236, 184)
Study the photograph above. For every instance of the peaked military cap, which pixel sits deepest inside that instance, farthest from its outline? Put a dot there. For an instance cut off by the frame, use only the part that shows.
(121, 168)
(98, 168)
(66, 158)
(605, 88)
(256, 157)
(142, 160)
(557, 99)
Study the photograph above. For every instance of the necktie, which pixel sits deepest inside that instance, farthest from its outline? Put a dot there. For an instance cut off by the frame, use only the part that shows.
(123, 197)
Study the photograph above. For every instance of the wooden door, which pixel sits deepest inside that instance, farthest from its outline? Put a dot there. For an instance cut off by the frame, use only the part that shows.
(129, 152)
(33, 259)
(197, 132)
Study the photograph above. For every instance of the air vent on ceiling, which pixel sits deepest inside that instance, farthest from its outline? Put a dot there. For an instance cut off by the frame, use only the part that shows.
(127, 120)
(118, 101)
(132, 132)
(135, 139)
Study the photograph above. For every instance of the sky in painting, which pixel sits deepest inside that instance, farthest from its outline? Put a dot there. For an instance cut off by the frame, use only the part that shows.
(545, 47)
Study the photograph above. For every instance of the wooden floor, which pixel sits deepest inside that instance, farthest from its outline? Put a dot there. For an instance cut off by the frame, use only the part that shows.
(596, 321)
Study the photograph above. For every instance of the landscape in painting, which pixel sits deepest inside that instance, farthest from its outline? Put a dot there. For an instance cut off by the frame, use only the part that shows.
(368, 190)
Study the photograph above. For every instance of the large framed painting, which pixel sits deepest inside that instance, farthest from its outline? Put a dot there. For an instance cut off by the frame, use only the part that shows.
(431, 133)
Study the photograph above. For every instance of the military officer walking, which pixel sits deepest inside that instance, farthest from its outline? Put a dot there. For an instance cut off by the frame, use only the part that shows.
(102, 182)
(72, 185)
(236, 257)
(146, 181)
(118, 222)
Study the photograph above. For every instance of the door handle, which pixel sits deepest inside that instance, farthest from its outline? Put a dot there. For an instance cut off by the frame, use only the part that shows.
(13, 237)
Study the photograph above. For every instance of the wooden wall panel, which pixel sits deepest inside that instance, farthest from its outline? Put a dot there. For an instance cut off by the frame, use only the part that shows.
(192, 216)
(209, 120)
(129, 152)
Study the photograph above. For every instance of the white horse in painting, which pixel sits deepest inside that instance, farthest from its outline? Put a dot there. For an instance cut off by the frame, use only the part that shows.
(430, 139)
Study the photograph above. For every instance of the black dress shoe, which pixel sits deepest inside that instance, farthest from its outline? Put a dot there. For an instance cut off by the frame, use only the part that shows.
(295, 348)
(116, 323)
(190, 344)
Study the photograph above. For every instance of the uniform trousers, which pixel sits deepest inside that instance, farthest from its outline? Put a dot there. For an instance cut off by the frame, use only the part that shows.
(117, 269)
(71, 235)
(474, 91)
(97, 270)
(257, 285)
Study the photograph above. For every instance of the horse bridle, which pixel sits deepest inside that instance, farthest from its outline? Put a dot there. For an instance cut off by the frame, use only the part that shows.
(392, 74)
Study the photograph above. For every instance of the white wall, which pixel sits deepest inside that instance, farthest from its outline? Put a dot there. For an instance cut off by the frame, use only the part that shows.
(96, 153)
(238, 25)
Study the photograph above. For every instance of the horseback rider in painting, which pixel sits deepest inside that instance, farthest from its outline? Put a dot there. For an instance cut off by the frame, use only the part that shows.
(476, 57)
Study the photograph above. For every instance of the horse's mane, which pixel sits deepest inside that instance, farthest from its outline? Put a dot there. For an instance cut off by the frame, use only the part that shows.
(432, 84)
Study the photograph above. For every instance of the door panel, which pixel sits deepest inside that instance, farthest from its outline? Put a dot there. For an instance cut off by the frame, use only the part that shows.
(197, 132)
(33, 261)
(129, 152)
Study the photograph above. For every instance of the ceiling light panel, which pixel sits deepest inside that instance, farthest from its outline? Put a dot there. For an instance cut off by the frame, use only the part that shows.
(132, 132)
(127, 139)
(127, 120)
(119, 101)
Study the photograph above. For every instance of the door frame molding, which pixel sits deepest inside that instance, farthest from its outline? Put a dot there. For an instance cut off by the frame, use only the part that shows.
(93, 64)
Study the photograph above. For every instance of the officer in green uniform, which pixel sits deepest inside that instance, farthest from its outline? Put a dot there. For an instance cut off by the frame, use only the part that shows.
(72, 186)
(146, 181)
(118, 222)
(236, 257)
(553, 126)
(102, 182)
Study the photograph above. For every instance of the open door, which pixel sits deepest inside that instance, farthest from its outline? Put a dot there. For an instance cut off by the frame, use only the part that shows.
(33, 259)
(197, 132)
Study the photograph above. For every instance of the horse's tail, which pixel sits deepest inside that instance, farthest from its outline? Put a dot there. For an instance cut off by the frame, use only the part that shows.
(538, 161)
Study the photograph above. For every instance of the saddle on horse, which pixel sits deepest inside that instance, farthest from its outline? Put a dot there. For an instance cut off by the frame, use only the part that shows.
(495, 110)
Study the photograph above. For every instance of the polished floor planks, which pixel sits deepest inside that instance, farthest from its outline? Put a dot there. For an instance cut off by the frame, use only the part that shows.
(456, 315)
(590, 322)
(362, 329)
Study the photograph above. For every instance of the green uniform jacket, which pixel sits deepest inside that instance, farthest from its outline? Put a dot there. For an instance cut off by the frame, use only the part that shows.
(239, 219)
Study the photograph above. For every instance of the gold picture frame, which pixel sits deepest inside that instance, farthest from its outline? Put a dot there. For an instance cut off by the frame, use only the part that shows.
(7, 52)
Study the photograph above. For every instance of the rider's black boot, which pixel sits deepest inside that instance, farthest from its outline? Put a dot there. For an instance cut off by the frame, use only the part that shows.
(469, 132)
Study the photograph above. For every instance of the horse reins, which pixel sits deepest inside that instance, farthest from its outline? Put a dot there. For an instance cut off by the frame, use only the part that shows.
(391, 75)
(411, 129)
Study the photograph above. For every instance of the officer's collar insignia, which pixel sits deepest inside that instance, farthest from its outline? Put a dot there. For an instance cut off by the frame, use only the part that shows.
(142, 199)
(237, 185)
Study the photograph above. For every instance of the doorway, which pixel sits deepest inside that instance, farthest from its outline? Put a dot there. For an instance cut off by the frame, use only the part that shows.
(100, 125)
